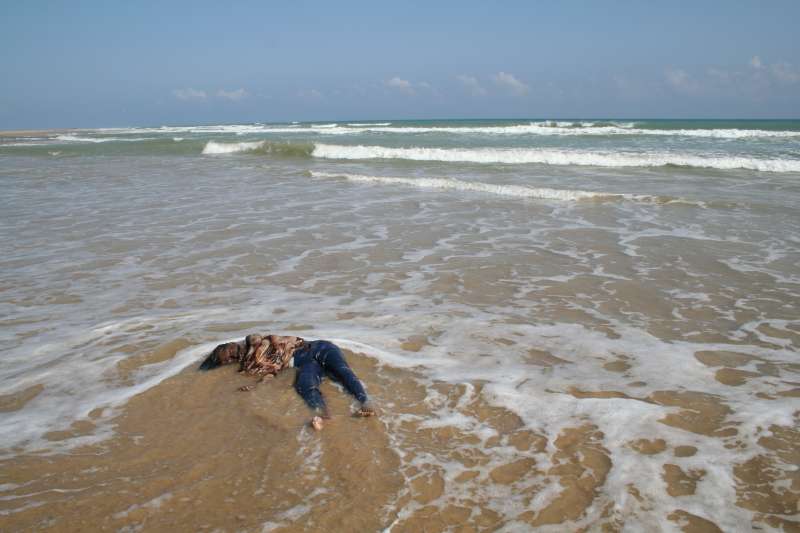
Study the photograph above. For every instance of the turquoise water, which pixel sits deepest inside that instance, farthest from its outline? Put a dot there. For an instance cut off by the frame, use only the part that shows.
(758, 145)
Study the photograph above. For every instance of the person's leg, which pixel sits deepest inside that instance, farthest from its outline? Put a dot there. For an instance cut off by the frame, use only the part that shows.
(309, 377)
(334, 363)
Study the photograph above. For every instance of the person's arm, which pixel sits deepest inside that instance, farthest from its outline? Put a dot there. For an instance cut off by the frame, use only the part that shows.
(266, 373)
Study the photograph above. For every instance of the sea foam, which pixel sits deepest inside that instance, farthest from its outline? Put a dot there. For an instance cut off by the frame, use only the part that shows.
(297, 149)
(553, 157)
(75, 138)
(213, 147)
(546, 128)
(569, 129)
(517, 191)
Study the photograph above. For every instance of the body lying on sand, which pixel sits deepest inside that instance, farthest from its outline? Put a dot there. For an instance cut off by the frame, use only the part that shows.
(266, 355)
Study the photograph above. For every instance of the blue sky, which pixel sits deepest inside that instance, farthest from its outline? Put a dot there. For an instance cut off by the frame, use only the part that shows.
(87, 64)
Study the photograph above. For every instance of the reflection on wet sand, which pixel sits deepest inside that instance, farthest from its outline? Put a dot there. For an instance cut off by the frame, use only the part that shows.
(194, 454)
(560, 365)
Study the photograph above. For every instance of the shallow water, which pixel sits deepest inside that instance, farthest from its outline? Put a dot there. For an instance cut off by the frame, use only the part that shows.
(560, 343)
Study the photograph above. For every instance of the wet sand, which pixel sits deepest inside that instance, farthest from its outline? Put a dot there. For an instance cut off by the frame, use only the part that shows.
(195, 454)
(580, 365)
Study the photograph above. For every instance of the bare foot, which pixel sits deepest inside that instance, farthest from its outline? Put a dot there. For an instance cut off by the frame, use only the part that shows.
(317, 423)
(246, 388)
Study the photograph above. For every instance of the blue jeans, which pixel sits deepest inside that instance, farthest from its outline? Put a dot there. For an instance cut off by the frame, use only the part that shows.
(313, 361)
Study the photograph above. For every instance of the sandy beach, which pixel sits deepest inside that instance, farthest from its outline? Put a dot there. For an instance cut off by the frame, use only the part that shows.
(560, 345)
(558, 244)
(195, 454)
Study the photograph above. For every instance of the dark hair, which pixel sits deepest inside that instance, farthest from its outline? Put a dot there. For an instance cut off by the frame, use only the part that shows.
(230, 352)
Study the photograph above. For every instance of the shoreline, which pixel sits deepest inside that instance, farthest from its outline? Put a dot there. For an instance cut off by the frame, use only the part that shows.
(521, 347)
(194, 453)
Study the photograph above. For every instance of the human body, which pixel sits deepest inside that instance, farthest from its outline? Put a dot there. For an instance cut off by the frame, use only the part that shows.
(265, 356)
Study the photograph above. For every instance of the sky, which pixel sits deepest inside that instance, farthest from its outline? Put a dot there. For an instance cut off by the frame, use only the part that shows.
(104, 64)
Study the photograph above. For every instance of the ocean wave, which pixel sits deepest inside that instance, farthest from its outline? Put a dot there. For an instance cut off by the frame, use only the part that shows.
(213, 147)
(584, 124)
(6, 145)
(259, 147)
(545, 128)
(517, 191)
(233, 129)
(575, 129)
(553, 157)
(75, 138)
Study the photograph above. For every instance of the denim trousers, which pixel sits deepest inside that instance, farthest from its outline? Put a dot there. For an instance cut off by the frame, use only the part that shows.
(316, 359)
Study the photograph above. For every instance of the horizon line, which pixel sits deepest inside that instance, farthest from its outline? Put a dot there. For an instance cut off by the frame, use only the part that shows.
(438, 119)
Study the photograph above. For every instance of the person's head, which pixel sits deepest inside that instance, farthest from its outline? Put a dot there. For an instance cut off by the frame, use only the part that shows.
(230, 352)
(253, 340)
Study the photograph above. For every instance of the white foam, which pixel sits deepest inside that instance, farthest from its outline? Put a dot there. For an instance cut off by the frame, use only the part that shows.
(48, 412)
(553, 157)
(547, 128)
(572, 129)
(75, 138)
(155, 503)
(566, 129)
(5, 145)
(214, 148)
(518, 191)
(62, 347)
(233, 129)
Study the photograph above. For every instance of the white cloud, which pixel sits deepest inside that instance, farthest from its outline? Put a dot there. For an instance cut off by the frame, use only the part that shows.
(471, 84)
(785, 72)
(400, 84)
(508, 81)
(720, 74)
(311, 94)
(782, 71)
(233, 96)
(679, 80)
(189, 94)
(758, 80)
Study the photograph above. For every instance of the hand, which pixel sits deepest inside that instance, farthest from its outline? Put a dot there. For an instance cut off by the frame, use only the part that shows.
(317, 423)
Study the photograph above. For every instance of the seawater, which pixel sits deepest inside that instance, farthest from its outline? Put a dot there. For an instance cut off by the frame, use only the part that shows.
(629, 285)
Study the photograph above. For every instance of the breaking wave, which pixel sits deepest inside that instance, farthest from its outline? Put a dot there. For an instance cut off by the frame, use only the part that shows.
(75, 138)
(553, 157)
(518, 191)
(259, 147)
(576, 129)
(544, 128)
(213, 147)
